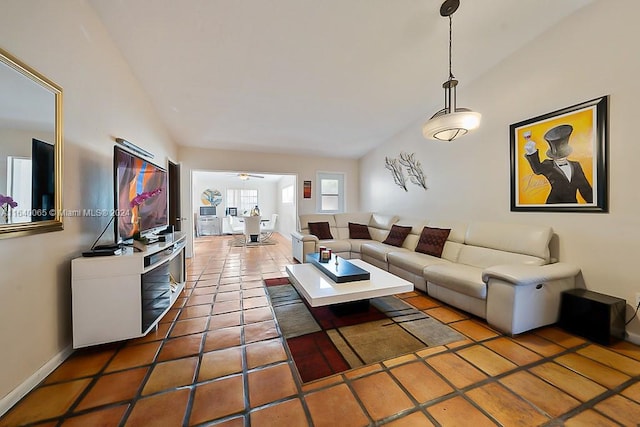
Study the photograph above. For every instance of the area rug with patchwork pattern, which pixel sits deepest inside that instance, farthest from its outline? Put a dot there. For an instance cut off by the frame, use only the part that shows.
(324, 341)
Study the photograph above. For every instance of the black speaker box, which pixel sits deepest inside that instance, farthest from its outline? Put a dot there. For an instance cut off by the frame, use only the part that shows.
(595, 316)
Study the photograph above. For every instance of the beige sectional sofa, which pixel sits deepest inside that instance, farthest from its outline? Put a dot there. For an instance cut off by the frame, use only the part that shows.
(498, 271)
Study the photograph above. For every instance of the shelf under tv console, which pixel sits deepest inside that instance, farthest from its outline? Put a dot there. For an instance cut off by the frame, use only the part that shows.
(124, 296)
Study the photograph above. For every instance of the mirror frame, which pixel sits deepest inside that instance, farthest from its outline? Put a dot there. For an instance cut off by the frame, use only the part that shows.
(56, 224)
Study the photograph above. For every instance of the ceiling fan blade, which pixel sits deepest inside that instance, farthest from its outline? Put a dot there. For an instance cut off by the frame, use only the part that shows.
(244, 176)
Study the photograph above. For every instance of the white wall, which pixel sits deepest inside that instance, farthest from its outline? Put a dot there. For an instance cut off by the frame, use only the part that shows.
(590, 54)
(305, 167)
(65, 41)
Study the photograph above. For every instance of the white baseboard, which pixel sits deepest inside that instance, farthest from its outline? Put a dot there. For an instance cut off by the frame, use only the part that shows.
(19, 392)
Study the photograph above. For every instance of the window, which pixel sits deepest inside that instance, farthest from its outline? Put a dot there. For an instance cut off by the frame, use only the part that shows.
(330, 192)
(287, 194)
(243, 199)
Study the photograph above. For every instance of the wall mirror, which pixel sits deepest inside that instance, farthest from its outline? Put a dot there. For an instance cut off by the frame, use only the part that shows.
(30, 150)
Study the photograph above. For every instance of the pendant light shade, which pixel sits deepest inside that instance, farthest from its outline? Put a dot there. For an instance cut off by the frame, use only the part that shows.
(449, 126)
(450, 122)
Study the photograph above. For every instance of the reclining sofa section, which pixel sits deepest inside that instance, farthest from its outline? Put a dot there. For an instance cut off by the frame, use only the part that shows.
(498, 271)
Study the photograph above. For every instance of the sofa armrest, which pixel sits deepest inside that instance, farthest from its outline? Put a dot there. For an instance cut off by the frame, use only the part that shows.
(302, 244)
(525, 297)
(304, 237)
(521, 274)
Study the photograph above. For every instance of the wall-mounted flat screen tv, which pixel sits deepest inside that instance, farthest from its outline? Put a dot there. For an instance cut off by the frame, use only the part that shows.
(141, 197)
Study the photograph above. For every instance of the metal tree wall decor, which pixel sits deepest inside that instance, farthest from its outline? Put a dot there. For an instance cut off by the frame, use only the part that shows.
(413, 167)
(396, 171)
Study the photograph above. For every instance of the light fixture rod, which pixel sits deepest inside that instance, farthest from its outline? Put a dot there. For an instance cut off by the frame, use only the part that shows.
(133, 147)
(450, 46)
(450, 85)
(450, 95)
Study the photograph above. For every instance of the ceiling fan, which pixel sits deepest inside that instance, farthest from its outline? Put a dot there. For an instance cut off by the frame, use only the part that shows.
(246, 176)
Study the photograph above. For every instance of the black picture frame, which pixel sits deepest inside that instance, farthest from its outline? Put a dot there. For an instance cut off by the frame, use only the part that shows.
(568, 171)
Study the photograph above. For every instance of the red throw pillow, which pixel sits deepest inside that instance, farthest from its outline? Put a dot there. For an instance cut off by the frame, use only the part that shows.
(359, 231)
(320, 230)
(397, 235)
(432, 241)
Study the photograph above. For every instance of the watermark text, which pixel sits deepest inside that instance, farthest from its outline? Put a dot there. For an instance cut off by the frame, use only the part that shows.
(20, 213)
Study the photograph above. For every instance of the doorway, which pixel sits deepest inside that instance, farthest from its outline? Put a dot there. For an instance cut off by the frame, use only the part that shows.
(239, 192)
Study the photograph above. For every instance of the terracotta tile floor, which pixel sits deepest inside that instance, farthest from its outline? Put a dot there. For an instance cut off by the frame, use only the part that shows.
(217, 358)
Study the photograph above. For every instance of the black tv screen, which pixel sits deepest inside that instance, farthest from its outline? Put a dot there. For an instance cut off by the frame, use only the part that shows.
(42, 181)
(141, 195)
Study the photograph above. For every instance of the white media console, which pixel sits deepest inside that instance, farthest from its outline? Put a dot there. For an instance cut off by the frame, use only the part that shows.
(124, 296)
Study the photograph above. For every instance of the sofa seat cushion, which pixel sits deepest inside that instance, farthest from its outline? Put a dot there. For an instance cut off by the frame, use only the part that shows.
(356, 244)
(379, 251)
(336, 246)
(413, 262)
(461, 278)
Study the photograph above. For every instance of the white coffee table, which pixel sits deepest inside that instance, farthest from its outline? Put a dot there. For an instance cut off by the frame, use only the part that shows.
(319, 290)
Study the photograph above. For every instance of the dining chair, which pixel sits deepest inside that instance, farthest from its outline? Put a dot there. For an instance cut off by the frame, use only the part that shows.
(269, 228)
(236, 228)
(252, 228)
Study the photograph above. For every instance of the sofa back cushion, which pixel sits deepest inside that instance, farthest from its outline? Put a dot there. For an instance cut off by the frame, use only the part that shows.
(320, 230)
(383, 221)
(455, 239)
(432, 241)
(416, 224)
(343, 220)
(485, 257)
(305, 219)
(451, 250)
(397, 234)
(458, 229)
(359, 231)
(379, 225)
(532, 240)
(378, 234)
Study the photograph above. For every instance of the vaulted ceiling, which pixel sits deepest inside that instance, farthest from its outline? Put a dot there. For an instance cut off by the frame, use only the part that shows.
(327, 77)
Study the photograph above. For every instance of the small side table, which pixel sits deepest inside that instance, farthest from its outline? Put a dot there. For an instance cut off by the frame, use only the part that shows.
(208, 225)
(592, 315)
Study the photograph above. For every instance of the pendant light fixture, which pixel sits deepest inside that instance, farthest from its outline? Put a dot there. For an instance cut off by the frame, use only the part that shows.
(451, 122)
